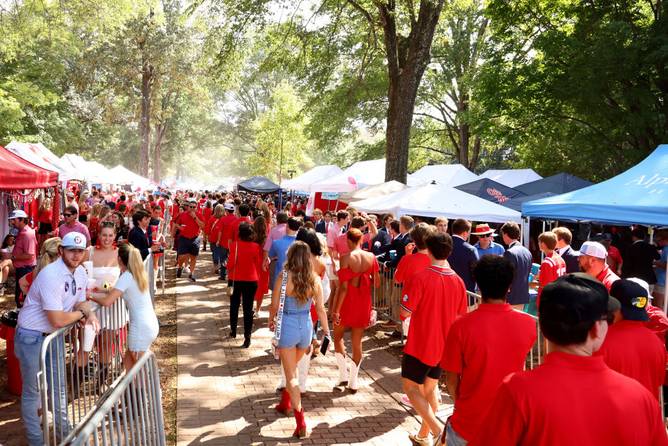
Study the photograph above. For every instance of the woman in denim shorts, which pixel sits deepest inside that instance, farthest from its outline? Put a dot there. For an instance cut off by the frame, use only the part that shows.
(303, 287)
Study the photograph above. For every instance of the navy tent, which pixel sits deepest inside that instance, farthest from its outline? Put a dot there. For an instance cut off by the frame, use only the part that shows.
(490, 190)
(556, 184)
(260, 185)
(517, 202)
(639, 195)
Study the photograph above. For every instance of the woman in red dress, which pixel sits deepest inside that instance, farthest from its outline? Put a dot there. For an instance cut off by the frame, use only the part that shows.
(261, 228)
(352, 306)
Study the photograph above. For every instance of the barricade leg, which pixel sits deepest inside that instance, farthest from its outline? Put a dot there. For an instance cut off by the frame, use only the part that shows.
(55, 372)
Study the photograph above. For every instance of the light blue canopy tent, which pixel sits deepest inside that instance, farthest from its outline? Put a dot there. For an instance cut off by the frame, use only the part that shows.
(637, 196)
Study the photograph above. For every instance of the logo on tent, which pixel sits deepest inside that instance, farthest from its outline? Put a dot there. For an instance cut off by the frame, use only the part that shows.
(498, 196)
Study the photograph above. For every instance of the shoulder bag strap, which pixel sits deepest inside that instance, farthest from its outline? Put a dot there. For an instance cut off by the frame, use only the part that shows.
(281, 305)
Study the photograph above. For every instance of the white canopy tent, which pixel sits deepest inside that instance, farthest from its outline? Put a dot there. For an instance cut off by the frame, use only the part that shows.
(123, 175)
(357, 176)
(434, 200)
(511, 177)
(41, 156)
(444, 174)
(377, 190)
(91, 171)
(304, 181)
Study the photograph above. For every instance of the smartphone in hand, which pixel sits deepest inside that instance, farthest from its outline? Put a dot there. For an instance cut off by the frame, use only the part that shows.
(325, 345)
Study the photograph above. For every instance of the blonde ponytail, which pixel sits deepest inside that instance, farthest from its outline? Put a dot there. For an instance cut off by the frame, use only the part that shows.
(131, 257)
(48, 254)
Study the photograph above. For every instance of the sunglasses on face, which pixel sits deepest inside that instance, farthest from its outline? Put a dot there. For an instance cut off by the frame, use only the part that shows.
(67, 215)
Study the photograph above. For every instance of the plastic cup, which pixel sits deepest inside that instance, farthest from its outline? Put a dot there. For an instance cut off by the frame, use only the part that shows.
(89, 337)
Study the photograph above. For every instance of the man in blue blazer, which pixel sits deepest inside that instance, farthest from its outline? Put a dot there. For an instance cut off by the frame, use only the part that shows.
(464, 256)
(564, 249)
(521, 259)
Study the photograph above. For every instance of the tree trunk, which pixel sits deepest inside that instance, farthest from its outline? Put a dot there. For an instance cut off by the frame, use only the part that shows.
(407, 59)
(157, 152)
(145, 121)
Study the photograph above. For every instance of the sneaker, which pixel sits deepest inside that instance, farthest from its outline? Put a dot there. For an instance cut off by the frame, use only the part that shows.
(192, 278)
(179, 271)
(421, 441)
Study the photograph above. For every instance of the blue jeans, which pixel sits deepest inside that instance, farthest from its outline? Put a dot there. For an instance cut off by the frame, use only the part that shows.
(215, 254)
(452, 438)
(224, 253)
(27, 346)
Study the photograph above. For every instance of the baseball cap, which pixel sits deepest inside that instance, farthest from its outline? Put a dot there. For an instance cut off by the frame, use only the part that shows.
(228, 206)
(74, 240)
(633, 298)
(70, 194)
(17, 213)
(572, 302)
(593, 249)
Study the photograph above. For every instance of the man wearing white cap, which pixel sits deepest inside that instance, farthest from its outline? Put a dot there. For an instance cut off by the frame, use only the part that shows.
(592, 261)
(57, 298)
(24, 254)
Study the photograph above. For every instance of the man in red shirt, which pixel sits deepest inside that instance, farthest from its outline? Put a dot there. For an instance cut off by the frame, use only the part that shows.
(433, 299)
(592, 261)
(631, 348)
(244, 212)
(187, 251)
(483, 347)
(224, 235)
(24, 254)
(552, 266)
(574, 397)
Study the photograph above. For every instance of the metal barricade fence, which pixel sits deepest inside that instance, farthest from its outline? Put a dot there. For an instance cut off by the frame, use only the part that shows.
(130, 415)
(76, 370)
(77, 367)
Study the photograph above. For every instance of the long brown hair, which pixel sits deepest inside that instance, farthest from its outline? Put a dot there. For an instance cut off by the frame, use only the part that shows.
(260, 226)
(301, 270)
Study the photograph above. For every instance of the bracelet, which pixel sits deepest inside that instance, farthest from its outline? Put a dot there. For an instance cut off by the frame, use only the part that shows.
(83, 314)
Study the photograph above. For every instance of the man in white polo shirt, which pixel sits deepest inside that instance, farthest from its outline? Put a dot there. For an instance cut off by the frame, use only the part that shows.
(57, 298)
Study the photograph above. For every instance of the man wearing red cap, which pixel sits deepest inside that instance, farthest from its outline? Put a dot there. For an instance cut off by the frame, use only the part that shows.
(631, 348)
(486, 244)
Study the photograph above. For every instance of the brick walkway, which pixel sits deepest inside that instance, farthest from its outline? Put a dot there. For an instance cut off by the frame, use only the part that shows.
(226, 394)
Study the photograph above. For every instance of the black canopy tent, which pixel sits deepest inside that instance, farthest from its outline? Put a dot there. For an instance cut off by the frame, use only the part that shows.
(490, 190)
(560, 183)
(260, 185)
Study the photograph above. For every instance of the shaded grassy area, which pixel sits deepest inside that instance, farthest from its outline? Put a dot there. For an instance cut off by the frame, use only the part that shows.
(165, 350)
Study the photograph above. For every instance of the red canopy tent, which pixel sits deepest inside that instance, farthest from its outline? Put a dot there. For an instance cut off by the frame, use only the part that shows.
(17, 174)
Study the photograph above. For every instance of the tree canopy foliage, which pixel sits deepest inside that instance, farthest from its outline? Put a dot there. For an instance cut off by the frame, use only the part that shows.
(224, 87)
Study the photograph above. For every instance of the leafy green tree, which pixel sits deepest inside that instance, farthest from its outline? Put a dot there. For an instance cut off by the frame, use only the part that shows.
(281, 142)
(579, 86)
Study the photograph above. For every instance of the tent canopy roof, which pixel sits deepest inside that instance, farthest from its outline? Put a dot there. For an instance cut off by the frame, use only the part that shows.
(18, 173)
(304, 181)
(511, 177)
(261, 185)
(360, 174)
(445, 174)
(434, 200)
(39, 155)
(556, 184)
(637, 196)
(377, 190)
(123, 175)
(490, 190)
(92, 171)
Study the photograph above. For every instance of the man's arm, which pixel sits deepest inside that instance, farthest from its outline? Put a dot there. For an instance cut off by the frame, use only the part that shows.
(452, 383)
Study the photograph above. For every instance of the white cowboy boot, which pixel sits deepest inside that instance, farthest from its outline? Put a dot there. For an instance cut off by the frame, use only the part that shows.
(343, 369)
(354, 372)
(303, 367)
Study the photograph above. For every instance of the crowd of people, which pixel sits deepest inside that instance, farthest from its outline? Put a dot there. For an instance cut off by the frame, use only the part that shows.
(465, 294)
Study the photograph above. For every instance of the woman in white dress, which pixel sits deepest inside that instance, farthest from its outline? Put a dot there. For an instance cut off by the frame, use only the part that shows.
(105, 272)
(133, 286)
